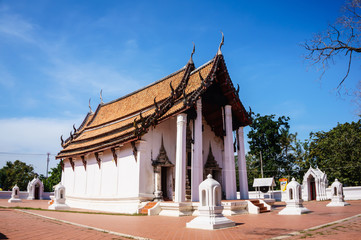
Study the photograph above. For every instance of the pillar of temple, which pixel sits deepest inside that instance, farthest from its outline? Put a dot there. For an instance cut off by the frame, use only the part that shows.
(180, 168)
(242, 167)
(229, 166)
(197, 160)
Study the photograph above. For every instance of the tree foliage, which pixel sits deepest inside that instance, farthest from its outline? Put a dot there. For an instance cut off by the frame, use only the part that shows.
(16, 173)
(53, 179)
(270, 137)
(338, 152)
(343, 37)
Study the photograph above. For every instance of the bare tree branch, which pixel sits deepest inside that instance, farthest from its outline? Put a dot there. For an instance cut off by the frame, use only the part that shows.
(343, 36)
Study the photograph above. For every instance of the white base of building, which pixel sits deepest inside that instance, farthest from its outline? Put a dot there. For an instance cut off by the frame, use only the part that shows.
(58, 206)
(173, 209)
(337, 204)
(117, 205)
(293, 210)
(11, 200)
(210, 218)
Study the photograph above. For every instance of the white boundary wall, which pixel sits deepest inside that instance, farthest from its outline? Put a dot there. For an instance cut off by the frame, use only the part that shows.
(351, 193)
(23, 195)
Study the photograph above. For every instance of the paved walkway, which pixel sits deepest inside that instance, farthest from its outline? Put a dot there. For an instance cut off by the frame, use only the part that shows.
(263, 226)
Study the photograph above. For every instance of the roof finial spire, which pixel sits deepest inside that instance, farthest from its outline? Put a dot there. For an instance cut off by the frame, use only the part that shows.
(194, 49)
(90, 107)
(220, 45)
(101, 97)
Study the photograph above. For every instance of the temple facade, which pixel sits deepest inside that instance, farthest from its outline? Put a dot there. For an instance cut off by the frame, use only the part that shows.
(159, 143)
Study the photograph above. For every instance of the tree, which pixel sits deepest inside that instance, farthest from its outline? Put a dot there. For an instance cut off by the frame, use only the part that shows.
(338, 152)
(16, 173)
(53, 179)
(343, 37)
(271, 138)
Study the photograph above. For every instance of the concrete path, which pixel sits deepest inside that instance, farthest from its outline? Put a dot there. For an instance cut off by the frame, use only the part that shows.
(263, 226)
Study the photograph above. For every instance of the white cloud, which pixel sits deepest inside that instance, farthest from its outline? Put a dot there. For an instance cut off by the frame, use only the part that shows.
(30, 139)
(15, 26)
(33, 135)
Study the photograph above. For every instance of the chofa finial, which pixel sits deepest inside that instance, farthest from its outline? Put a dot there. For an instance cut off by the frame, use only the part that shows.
(220, 45)
(194, 49)
(101, 97)
(90, 108)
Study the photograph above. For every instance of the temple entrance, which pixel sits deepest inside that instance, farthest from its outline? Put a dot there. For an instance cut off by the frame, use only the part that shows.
(163, 174)
(167, 183)
(312, 188)
(37, 191)
(212, 167)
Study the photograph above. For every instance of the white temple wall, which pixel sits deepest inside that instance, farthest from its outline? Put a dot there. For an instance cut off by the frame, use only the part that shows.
(68, 178)
(216, 142)
(145, 168)
(109, 175)
(93, 177)
(128, 173)
(153, 141)
(168, 130)
(80, 178)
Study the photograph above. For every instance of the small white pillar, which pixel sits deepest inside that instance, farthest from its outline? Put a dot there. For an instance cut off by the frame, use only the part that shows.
(15, 195)
(294, 200)
(229, 165)
(337, 197)
(197, 160)
(59, 198)
(242, 167)
(180, 168)
(210, 209)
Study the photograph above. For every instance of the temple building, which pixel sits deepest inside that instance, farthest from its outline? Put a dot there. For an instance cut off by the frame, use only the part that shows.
(159, 143)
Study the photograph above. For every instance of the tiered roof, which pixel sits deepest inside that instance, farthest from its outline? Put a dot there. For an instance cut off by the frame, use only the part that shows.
(128, 118)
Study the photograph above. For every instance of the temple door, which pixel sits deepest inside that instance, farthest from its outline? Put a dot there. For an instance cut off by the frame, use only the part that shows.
(37, 190)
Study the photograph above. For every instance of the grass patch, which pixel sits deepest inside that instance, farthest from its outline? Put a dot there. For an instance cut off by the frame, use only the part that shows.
(99, 213)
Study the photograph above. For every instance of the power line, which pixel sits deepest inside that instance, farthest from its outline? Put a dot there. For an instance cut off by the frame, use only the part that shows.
(26, 154)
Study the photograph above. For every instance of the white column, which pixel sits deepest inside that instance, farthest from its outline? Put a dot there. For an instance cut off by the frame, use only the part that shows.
(242, 167)
(197, 160)
(180, 168)
(229, 166)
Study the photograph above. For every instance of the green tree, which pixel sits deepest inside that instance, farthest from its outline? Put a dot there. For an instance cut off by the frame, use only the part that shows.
(53, 179)
(338, 152)
(16, 173)
(270, 137)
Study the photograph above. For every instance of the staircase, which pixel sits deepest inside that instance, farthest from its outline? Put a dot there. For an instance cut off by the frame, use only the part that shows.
(149, 205)
(261, 206)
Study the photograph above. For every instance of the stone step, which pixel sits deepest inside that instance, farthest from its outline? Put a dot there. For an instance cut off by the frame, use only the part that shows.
(149, 205)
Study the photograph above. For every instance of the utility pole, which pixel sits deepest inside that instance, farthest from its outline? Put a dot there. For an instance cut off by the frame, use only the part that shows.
(260, 154)
(47, 164)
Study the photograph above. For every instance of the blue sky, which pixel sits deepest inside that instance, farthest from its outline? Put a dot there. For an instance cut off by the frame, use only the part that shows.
(55, 55)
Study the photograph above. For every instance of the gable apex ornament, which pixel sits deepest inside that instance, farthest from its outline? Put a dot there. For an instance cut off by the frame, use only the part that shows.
(101, 96)
(191, 58)
(90, 108)
(220, 45)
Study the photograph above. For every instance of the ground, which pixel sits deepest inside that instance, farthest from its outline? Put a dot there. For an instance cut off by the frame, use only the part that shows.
(322, 223)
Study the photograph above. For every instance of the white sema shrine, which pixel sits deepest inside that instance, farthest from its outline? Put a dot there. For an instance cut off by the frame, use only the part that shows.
(159, 143)
(294, 200)
(210, 210)
(337, 197)
(15, 195)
